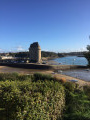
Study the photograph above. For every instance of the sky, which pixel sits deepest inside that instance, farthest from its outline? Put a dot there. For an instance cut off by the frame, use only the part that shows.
(57, 25)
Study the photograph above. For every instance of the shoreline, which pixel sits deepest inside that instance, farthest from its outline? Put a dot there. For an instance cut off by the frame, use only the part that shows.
(6, 69)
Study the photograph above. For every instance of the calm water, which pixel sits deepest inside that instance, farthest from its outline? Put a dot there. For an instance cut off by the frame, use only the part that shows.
(72, 60)
(83, 74)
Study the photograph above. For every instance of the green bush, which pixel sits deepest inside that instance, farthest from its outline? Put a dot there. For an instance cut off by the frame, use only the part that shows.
(8, 76)
(30, 100)
(87, 91)
(39, 76)
(13, 76)
(71, 86)
(87, 56)
(39, 97)
(77, 103)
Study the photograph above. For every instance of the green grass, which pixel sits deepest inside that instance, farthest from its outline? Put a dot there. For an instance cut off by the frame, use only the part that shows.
(40, 97)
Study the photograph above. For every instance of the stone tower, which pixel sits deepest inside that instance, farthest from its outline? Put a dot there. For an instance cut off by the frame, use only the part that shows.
(35, 52)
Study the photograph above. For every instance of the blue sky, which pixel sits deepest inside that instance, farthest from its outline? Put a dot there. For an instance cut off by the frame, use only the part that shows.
(58, 25)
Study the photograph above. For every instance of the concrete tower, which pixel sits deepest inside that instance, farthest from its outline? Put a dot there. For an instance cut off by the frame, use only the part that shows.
(35, 52)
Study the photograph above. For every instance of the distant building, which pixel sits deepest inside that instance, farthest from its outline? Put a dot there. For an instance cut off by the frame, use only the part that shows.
(6, 57)
(35, 52)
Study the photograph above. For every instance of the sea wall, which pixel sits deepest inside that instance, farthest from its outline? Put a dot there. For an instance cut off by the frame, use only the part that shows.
(27, 66)
(41, 66)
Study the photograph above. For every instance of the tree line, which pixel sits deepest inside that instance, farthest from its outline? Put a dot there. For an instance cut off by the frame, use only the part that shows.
(25, 54)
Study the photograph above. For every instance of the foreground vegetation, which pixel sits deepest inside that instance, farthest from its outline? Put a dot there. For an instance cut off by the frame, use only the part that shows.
(41, 97)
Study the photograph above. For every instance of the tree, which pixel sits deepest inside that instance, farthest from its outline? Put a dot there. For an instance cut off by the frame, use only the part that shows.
(87, 55)
(88, 47)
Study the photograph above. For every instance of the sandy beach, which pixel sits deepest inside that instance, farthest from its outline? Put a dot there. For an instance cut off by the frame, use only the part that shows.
(5, 69)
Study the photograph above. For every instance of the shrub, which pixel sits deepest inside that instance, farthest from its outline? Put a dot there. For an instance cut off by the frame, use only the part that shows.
(71, 86)
(39, 76)
(8, 76)
(31, 100)
(87, 55)
(87, 91)
(41, 97)
(77, 103)
(13, 76)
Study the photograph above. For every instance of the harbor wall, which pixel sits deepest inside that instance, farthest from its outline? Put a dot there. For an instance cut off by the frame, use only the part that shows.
(42, 66)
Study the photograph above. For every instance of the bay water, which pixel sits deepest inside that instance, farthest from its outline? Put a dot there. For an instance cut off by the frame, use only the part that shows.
(72, 60)
(83, 74)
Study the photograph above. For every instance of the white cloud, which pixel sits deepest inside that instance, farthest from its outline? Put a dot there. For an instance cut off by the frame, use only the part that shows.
(82, 49)
(19, 48)
(1, 50)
